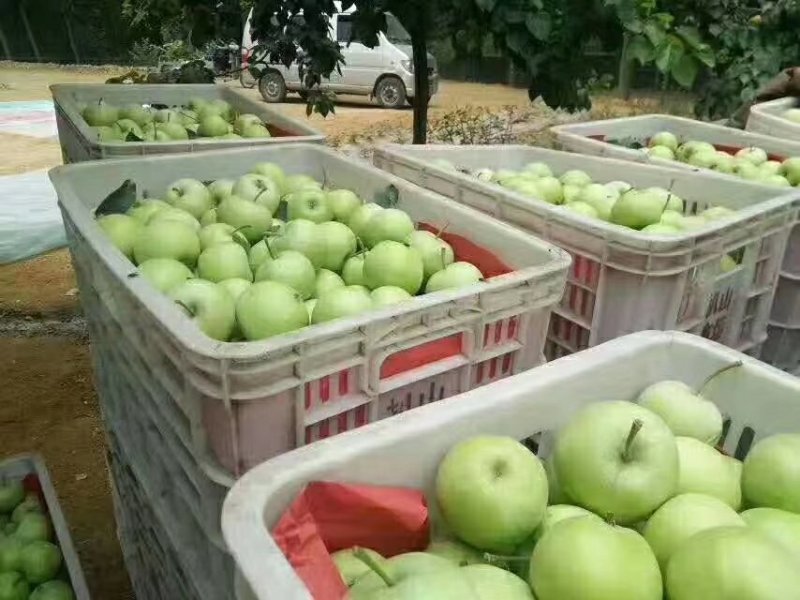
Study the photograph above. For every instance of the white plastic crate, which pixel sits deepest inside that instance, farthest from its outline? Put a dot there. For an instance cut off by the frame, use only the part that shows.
(782, 348)
(79, 143)
(786, 308)
(407, 451)
(591, 138)
(622, 280)
(31, 469)
(766, 118)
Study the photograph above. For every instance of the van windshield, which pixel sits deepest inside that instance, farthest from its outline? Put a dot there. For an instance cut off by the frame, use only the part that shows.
(395, 32)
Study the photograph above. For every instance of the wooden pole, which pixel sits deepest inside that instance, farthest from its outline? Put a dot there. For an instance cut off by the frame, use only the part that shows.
(29, 31)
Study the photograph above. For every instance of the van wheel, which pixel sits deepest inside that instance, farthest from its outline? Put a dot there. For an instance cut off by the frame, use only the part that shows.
(272, 87)
(391, 92)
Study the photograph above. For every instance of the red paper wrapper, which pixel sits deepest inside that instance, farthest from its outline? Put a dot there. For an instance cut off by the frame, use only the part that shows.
(327, 517)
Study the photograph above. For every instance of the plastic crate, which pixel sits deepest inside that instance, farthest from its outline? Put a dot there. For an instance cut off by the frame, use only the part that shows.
(766, 118)
(407, 451)
(621, 280)
(30, 468)
(79, 143)
(236, 404)
(782, 348)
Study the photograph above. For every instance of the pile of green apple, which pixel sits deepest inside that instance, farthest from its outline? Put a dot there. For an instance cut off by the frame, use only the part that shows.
(634, 503)
(792, 114)
(242, 274)
(750, 163)
(200, 118)
(652, 210)
(30, 563)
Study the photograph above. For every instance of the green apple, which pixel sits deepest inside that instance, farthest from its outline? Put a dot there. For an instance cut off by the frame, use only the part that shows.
(303, 236)
(755, 155)
(291, 268)
(620, 187)
(13, 586)
(492, 583)
(389, 295)
(175, 214)
(771, 167)
(242, 121)
(107, 134)
(11, 494)
(259, 254)
(393, 263)
(253, 220)
(483, 174)
(725, 163)
(212, 126)
(196, 103)
(584, 558)
(672, 218)
(352, 568)
(790, 169)
(126, 127)
(274, 172)
(731, 562)
(343, 203)
(341, 302)
(340, 244)
(685, 412)
(188, 118)
(581, 208)
(122, 230)
(780, 526)
(174, 130)
(600, 197)
(309, 204)
(164, 274)
(223, 261)
(167, 239)
(575, 177)
(327, 281)
(209, 306)
(637, 209)
(538, 169)
(221, 189)
(617, 459)
(53, 590)
(492, 492)
(270, 308)
(40, 561)
(142, 210)
(361, 216)
(550, 190)
(777, 180)
(571, 193)
(410, 568)
(523, 185)
(31, 504)
(100, 114)
(692, 223)
(662, 152)
(683, 516)
(459, 553)
(254, 130)
(166, 115)
(502, 174)
(235, 286)
(33, 526)
(295, 183)
(223, 108)
(685, 151)
(706, 159)
(221, 233)
(353, 270)
(669, 200)
(209, 218)
(771, 474)
(660, 229)
(11, 553)
(455, 275)
(388, 224)
(259, 189)
(666, 139)
(704, 470)
(435, 252)
(746, 170)
(154, 132)
(190, 195)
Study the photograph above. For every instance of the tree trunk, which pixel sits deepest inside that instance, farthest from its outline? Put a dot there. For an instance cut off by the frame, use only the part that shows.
(29, 31)
(71, 37)
(422, 92)
(626, 67)
(4, 43)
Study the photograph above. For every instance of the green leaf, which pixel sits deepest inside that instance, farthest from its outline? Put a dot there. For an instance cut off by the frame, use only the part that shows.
(517, 41)
(539, 24)
(705, 55)
(690, 35)
(684, 70)
(654, 33)
(487, 5)
(388, 198)
(639, 48)
(668, 53)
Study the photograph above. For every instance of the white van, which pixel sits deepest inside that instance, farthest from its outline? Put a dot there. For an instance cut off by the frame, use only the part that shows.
(385, 71)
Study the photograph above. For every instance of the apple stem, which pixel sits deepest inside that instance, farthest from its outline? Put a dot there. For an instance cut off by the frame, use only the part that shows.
(184, 307)
(444, 257)
(636, 427)
(374, 566)
(362, 247)
(499, 559)
(269, 248)
(442, 229)
(609, 518)
(716, 373)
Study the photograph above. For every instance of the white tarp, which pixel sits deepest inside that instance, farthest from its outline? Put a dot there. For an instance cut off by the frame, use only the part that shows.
(30, 222)
(36, 118)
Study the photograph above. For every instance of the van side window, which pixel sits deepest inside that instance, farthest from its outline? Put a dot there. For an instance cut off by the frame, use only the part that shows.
(344, 29)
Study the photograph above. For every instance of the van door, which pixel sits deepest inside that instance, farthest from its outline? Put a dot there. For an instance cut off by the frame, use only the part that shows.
(362, 64)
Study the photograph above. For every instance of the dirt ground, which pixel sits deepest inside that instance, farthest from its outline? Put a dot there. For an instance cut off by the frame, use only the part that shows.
(47, 401)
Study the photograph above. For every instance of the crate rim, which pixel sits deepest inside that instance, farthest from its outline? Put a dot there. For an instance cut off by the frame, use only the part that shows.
(608, 231)
(242, 520)
(70, 109)
(191, 336)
